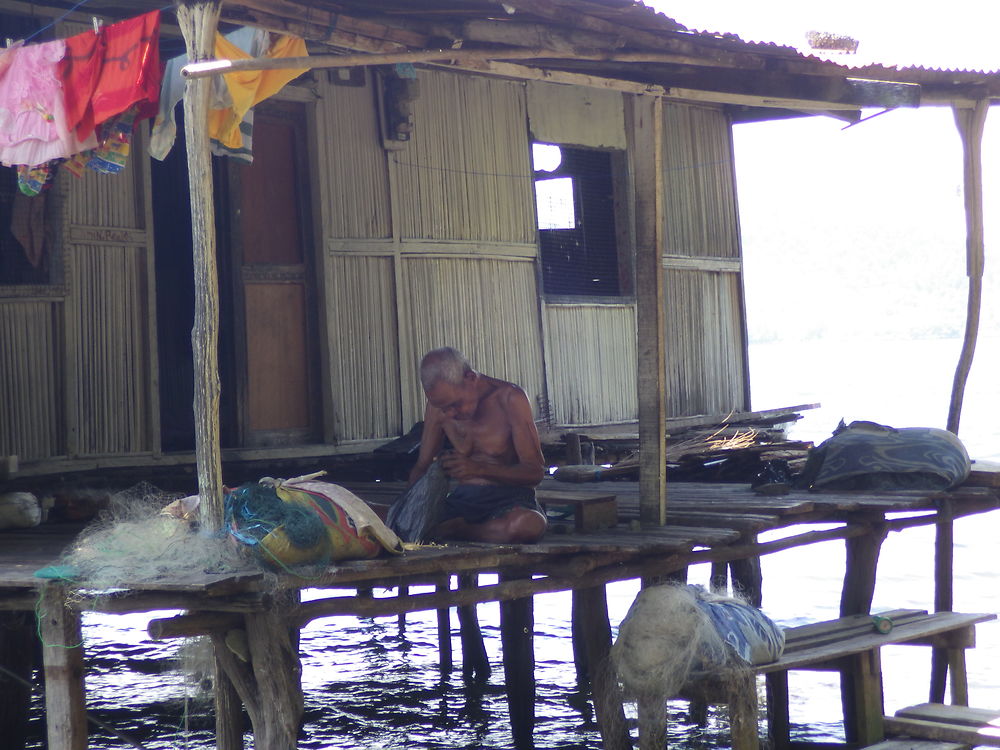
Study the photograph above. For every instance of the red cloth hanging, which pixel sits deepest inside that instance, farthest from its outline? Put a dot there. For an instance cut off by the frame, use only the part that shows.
(106, 73)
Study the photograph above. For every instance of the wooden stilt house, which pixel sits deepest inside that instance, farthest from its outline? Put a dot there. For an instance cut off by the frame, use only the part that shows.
(547, 185)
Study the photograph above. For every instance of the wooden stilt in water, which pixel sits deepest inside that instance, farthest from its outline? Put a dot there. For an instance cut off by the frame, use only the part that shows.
(856, 598)
(444, 630)
(748, 580)
(719, 578)
(475, 662)
(228, 712)
(777, 709)
(17, 656)
(595, 634)
(62, 656)
(577, 616)
(270, 682)
(944, 553)
(404, 591)
(517, 631)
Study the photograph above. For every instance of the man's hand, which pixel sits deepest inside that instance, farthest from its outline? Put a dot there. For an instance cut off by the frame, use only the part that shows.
(458, 466)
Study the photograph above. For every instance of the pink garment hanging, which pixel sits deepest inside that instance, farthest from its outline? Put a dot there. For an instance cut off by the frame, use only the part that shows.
(33, 126)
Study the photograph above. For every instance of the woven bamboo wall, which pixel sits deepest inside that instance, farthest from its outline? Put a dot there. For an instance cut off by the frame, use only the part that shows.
(465, 174)
(706, 348)
(32, 419)
(591, 360)
(355, 179)
(486, 308)
(108, 253)
(364, 353)
(699, 182)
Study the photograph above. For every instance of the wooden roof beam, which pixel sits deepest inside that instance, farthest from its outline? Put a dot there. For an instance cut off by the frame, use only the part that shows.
(323, 22)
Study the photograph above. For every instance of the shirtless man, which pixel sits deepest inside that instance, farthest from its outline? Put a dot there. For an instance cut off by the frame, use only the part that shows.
(496, 456)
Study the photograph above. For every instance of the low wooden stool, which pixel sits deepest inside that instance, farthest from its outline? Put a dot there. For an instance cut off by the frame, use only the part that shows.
(590, 512)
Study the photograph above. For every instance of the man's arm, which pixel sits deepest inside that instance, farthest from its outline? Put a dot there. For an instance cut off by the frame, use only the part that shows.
(530, 466)
(431, 440)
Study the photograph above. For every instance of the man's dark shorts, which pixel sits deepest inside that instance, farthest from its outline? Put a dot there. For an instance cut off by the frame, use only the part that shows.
(478, 503)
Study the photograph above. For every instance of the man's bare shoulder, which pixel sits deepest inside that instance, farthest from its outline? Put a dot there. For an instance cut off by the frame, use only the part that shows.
(508, 394)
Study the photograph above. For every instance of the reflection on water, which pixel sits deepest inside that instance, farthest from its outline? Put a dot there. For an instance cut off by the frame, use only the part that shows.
(371, 685)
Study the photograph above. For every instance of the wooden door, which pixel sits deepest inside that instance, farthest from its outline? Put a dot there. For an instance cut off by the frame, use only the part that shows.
(274, 297)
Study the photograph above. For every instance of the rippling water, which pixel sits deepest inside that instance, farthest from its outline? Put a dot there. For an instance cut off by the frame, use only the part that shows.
(371, 684)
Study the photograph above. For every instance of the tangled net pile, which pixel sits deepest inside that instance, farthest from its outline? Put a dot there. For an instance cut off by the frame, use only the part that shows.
(667, 646)
(134, 541)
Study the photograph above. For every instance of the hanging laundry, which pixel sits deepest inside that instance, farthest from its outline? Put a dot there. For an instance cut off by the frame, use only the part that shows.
(130, 73)
(32, 181)
(252, 41)
(114, 139)
(33, 126)
(79, 71)
(247, 88)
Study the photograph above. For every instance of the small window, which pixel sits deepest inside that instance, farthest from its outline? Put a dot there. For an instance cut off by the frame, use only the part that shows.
(24, 244)
(577, 234)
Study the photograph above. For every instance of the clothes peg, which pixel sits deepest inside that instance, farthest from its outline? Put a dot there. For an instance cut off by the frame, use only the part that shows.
(97, 24)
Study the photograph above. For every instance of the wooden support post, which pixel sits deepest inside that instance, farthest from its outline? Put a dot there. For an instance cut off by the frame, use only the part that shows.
(444, 630)
(856, 598)
(62, 655)
(865, 726)
(579, 644)
(944, 554)
(517, 632)
(646, 131)
(270, 683)
(404, 591)
(743, 713)
(17, 656)
(595, 632)
(198, 21)
(719, 578)
(475, 662)
(228, 712)
(778, 723)
(970, 124)
(748, 581)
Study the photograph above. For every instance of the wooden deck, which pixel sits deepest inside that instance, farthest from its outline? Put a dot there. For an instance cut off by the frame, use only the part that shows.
(713, 523)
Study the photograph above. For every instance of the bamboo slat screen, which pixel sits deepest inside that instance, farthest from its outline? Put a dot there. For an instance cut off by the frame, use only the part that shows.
(32, 418)
(488, 309)
(465, 174)
(699, 186)
(591, 352)
(705, 358)
(109, 305)
(101, 200)
(364, 352)
(355, 175)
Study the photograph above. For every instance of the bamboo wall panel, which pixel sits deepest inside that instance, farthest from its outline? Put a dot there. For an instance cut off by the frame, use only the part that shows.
(465, 174)
(700, 191)
(364, 353)
(109, 304)
(488, 309)
(706, 363)
(576, 115)
(356, 184)
(105, 200)
(591, 352)
(32, 418)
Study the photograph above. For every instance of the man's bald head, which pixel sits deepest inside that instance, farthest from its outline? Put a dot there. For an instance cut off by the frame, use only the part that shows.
(444, 365)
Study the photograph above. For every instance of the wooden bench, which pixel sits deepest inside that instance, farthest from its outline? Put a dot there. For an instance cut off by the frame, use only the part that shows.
(851, 646)
(942, 723)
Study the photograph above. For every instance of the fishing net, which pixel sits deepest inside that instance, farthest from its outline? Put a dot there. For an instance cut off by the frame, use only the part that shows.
(684, 641)
(134, 541)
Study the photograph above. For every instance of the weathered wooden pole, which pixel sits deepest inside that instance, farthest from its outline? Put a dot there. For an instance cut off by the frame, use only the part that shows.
(475, 661)
(595, 632)
(198, 22)
(17, 660)
(646, 132)
(517, 636)
(970, 124)
(62, 655)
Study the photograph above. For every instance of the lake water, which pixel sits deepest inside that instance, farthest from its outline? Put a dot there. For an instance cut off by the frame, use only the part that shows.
(371, 685)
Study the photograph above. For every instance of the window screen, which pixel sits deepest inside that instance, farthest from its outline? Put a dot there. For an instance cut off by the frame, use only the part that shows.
(574, 198)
